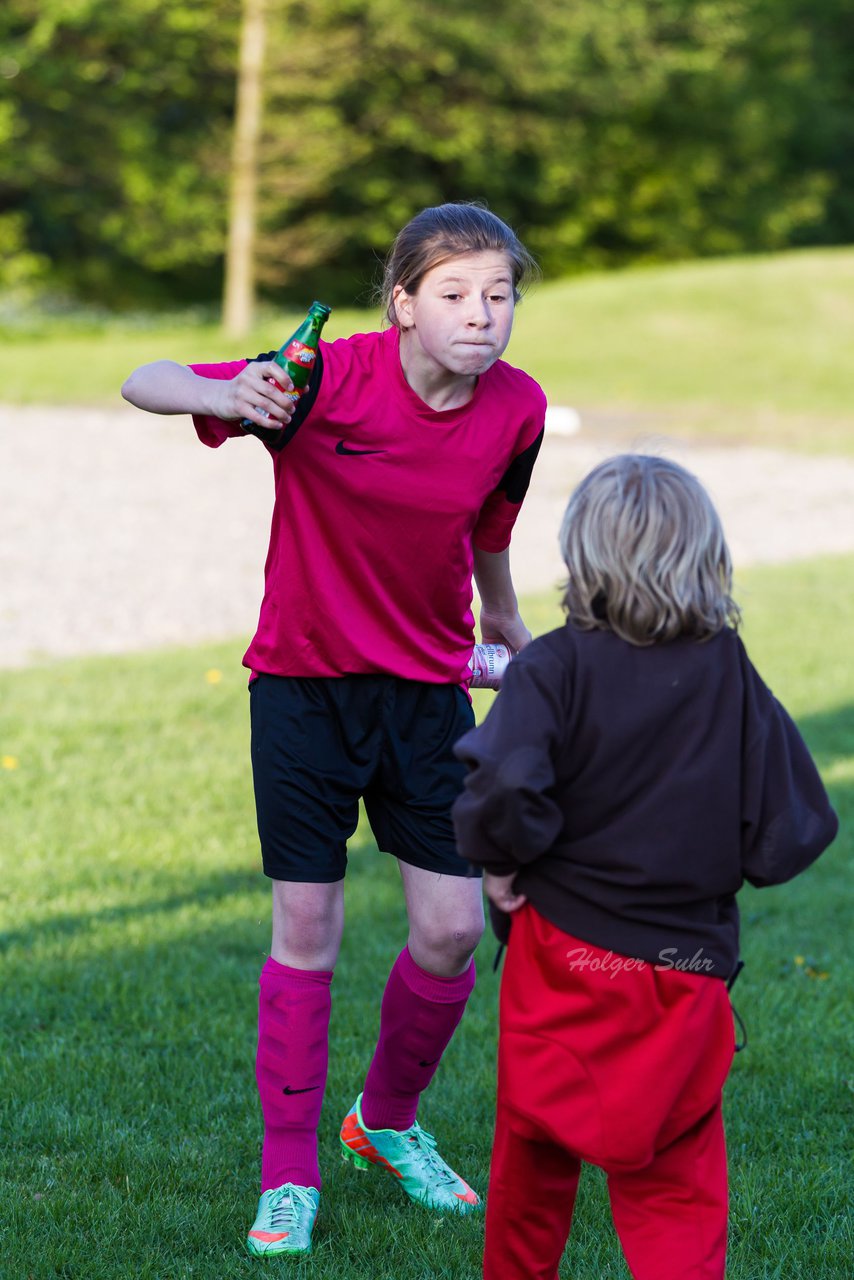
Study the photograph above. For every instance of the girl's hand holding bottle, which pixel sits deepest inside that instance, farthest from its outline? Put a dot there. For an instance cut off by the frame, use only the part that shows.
(259, 393)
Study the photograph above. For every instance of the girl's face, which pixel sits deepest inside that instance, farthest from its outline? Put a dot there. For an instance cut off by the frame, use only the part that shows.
(460, 319)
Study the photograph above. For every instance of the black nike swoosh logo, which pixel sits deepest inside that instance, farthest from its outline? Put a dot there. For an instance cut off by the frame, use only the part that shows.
(342, 449)
(310, 1089)
(422, 1063)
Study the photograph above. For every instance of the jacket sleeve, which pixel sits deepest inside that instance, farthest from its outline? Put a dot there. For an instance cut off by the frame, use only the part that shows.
(507, 814)
(787, 819)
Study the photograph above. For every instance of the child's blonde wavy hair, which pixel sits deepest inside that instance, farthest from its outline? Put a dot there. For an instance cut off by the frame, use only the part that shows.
(646, 554)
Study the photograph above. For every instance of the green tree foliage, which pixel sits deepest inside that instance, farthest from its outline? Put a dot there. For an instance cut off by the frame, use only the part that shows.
(115, 120)
(823, 135)
(606, 131)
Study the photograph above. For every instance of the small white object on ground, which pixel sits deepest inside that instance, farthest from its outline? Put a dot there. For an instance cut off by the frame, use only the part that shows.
(561, 420)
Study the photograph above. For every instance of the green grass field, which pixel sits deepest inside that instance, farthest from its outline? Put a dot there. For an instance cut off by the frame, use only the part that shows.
(745, 349)
(134, 922)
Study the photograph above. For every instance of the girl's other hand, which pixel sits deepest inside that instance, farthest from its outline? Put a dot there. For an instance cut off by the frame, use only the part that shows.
(504, 628)
(499, 890)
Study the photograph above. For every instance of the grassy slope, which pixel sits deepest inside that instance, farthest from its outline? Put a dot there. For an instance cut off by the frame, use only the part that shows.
(752, 346)
(135, 921)
(740, 349)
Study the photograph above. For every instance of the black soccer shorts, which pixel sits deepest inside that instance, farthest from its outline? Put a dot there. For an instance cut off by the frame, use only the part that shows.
(319, 744)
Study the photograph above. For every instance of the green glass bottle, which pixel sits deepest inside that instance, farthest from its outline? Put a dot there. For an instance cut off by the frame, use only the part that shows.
(297, 357)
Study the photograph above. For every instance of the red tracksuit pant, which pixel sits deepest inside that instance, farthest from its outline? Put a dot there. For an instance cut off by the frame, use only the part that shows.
(621, 1064)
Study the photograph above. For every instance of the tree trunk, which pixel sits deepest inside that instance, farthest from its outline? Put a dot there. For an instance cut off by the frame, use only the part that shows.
(239, 292)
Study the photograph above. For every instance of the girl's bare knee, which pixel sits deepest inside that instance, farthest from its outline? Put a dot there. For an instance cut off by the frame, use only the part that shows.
(307, 924)
(448, 949)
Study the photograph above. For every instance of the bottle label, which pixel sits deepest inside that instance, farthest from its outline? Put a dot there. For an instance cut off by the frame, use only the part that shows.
(300, 353)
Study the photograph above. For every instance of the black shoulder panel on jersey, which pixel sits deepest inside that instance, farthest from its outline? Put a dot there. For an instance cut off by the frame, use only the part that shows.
(517, 477)
(304, 403)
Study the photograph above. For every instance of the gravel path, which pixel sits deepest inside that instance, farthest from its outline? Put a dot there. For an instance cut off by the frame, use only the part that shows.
(121, 532)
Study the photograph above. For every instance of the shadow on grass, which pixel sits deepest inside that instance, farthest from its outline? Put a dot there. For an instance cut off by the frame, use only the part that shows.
(830, 734)
(129, 1105)
(128, 1101)
(55, 927)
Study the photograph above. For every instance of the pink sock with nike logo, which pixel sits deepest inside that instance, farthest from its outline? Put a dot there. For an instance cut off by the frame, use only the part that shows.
(291, 1065)
(420, 1012)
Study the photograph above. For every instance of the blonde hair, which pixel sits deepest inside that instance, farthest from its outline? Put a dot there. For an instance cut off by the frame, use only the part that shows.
(646, 554)
(446, 231)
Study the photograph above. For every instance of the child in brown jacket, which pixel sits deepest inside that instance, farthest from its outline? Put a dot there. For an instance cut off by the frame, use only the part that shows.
(633, 771)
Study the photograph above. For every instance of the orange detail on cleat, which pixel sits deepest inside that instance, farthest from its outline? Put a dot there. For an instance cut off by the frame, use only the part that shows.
(411, 1155)
(469, 1196)
(269, 1236)
(354, 1137)
(350, 1129)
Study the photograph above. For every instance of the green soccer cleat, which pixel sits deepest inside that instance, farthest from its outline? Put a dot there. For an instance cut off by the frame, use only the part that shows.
(285, 1219)
(412, 1157)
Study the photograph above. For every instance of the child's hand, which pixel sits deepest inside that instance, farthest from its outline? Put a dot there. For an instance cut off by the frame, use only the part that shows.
(499, 890)
(257, 393)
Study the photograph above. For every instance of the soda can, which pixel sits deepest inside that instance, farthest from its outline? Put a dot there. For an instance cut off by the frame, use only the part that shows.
(488, 663)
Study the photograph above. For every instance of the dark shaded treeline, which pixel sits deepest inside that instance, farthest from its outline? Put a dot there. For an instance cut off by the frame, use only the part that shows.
(607, 132)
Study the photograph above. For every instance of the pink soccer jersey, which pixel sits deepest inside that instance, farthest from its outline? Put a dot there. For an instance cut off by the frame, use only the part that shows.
(378, 502)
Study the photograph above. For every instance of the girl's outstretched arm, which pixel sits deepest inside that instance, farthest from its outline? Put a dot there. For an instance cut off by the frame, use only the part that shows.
(167, 387)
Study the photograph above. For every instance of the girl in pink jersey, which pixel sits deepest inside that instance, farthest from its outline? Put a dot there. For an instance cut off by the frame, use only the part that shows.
(403, 484)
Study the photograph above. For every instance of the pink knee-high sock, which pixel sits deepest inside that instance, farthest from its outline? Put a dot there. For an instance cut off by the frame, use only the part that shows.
(420, 1012)
(293, 1056)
